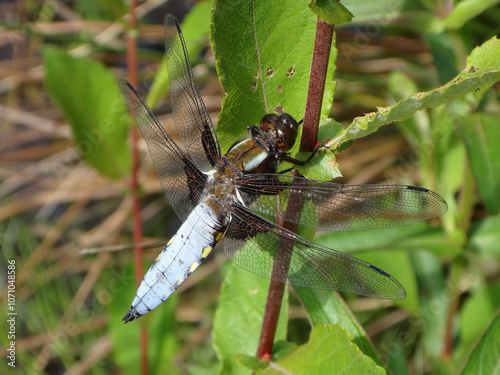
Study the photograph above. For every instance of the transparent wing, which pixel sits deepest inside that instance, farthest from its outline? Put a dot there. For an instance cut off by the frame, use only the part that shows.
(311, 265)
(181, 181)
(339, 207)
(190, 115)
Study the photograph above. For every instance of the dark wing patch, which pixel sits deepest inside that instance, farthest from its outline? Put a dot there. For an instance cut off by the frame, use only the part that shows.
(258, 246)
(180, 179)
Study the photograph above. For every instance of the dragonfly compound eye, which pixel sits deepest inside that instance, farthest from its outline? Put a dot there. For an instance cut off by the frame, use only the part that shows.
(286, 130)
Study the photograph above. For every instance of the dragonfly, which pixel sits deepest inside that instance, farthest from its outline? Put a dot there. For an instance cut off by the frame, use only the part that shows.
(238, 196)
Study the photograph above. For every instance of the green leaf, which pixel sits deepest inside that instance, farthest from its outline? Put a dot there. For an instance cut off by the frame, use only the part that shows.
(481, 135)
(195, 32)
(466, 10)
(485, 236)
(484, 58)
(470, 79)
(375, 10)
(163, 343)
(478, 310)
(251, 363)
(443, 50)
(238, 318)
(397, 264)
(126, 356)
(329, 130)
(485, 359)
(434, 298)
(263, 53)
(87, 93)
(329, 351)
(418, 236)
(374, 15)
(417, 128)
(192, 369)
(322, 167)
(119, 292)
(327, 307)
(331, 11)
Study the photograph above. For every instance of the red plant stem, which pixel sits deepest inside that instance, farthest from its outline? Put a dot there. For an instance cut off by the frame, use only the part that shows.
(276, 289)
(134, 183)
(319, 67)
(270, 320)
(453, 307)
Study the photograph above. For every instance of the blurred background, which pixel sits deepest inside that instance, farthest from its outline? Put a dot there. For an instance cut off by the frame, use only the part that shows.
(66, 221)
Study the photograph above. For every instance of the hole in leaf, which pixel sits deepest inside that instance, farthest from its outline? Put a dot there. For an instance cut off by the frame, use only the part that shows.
(269, 72)
(254, 86)
(279, 88)
(290, 72)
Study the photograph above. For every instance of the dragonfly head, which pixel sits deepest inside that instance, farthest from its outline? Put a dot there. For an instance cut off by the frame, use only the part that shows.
(283, 127)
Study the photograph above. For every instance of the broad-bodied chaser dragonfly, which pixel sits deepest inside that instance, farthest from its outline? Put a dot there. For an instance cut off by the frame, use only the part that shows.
(236, 195)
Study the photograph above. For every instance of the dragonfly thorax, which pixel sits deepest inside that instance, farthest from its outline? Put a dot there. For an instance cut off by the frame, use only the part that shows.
(220, 189)
(267, 146)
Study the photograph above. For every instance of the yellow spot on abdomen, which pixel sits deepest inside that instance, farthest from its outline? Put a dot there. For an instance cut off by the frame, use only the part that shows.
(170, 242)
(218, 237)
(207, 250)
(194, 266)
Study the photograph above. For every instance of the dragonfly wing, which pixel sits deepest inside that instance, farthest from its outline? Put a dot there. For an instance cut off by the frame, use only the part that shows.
(257, 245)
(180, 179)
(340, 207)
(190, 114)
